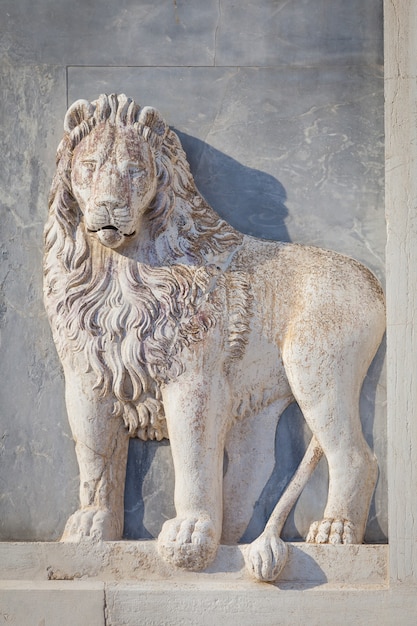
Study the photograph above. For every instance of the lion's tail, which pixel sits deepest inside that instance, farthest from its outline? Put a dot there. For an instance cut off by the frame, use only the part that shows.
(294, 488)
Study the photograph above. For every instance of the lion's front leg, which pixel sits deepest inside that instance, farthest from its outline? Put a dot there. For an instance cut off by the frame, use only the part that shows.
(197, 417)
(101, 444)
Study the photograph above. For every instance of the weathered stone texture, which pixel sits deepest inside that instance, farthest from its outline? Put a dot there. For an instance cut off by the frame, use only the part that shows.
(32, 464)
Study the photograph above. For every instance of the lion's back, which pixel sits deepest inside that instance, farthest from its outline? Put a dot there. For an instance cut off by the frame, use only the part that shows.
(297, 282)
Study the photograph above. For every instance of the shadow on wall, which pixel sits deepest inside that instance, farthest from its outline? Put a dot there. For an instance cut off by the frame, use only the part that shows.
(374, 532)
(250, 200)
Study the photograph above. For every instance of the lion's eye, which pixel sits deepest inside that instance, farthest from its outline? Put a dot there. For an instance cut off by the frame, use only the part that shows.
(134, 171)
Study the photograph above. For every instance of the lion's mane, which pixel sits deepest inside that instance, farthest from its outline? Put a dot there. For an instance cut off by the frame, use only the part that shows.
(131, 320)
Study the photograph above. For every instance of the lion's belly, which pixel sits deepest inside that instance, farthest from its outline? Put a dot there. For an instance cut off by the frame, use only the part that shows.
(259, 379)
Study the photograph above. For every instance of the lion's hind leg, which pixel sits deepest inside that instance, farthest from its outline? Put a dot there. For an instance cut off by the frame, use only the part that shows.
(326, 383)
(353, 472)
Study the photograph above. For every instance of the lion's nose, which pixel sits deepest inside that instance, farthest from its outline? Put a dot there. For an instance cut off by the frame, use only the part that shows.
(112, 188)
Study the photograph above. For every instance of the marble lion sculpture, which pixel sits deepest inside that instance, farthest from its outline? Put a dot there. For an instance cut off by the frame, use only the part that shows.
(170, 323)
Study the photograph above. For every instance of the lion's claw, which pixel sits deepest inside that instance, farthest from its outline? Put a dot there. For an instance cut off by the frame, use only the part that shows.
(94, 523)
(266, 557)
(332, 530)
(189, 543)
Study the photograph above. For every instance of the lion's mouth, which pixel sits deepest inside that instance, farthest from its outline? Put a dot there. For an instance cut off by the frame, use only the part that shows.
(110, 235)
(111, 227)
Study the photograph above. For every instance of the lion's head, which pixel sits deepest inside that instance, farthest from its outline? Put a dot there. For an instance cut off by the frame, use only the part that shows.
(132, 255)
(123, 178)
(113, 179)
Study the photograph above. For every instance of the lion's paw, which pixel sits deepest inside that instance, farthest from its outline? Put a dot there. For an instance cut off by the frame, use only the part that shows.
(266, 557)
(332, 530)
(94, 523)
(189, 543)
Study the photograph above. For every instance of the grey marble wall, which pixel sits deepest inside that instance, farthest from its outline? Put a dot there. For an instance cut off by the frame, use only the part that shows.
(279, 106)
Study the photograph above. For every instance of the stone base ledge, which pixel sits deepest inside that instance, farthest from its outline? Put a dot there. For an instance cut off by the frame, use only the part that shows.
(126, 583)
(308, 565)
(52, 603)
(202, 603)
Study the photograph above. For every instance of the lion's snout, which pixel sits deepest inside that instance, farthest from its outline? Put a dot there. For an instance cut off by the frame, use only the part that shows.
(110, 224)
(108, 216)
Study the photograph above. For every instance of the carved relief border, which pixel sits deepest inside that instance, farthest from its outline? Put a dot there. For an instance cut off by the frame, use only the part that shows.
(400, 22)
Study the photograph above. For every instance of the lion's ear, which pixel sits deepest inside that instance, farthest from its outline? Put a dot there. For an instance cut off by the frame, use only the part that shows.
(78, 112)
(151, 119)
